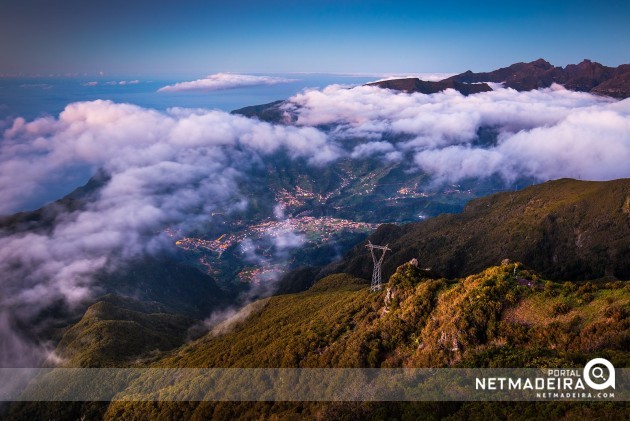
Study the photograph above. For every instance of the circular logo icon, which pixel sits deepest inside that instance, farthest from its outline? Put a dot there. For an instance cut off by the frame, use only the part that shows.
(603, 378)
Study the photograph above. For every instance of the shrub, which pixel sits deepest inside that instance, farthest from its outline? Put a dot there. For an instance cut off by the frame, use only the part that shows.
(550, 290)
(568, 287)
(560, 308)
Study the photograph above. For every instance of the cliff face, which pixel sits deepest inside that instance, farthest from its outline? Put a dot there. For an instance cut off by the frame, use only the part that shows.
(587, 76)
(616, 87)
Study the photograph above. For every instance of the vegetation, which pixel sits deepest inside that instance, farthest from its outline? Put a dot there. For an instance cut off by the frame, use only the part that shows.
(505, 316)
(559, 308)
(501, 317)
(567, 230)
(115, 331)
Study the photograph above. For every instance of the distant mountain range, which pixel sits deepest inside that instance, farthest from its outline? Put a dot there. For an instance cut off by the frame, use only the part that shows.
(411, 85)
(587, 76)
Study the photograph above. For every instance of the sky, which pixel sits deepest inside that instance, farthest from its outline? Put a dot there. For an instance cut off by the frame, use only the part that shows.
(195, 37)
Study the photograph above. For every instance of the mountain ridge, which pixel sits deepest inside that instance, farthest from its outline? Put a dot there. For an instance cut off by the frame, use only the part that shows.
(585, 76)
(566, 229)
(411, 85)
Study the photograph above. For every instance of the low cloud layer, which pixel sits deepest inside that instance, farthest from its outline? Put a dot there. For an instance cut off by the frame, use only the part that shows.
(148, 147)
(544, 134)
(170, 169)
(221, 81)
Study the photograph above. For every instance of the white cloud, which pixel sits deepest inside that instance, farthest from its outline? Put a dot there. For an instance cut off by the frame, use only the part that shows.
(36, 85)
(414, 113)
(220, 81)
(544, 134)
(168, 169)
(371, 148)
(429, 77)
(592, 143)
(123, 137)
(454, 163)
(113, 83)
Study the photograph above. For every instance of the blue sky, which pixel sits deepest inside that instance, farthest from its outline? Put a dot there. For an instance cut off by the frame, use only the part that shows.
(193, 37)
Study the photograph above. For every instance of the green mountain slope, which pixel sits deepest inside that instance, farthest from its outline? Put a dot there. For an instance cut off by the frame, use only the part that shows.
(423, 323)
(564, 229)
(510, 315)
(505, 316)
(116, 330)
(168, 280)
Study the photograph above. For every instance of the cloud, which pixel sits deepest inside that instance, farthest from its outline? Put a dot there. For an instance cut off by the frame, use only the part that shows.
(167, 169)
(454, 163)
(221, 81)
(36, 85)
(281, 241)
(543, 134)
(140, 144)
(113, 83)
(223, 321)
(368, 149)
(593, 143)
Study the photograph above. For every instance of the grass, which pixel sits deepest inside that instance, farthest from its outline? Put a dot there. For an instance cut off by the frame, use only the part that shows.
(538, 309)
(487, 319)
(425, 322)
(117, 331)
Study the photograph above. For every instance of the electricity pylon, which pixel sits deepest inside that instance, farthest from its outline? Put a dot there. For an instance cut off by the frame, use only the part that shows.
(376, 275)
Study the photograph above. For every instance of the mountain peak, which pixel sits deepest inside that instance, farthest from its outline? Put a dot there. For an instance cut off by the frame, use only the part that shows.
(541, 63)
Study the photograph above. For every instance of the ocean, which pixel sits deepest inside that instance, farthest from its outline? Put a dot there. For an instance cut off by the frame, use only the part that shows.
(34, 97)
(31, 98)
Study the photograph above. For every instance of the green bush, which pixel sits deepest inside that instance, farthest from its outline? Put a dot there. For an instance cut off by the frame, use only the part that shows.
(560, 308)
